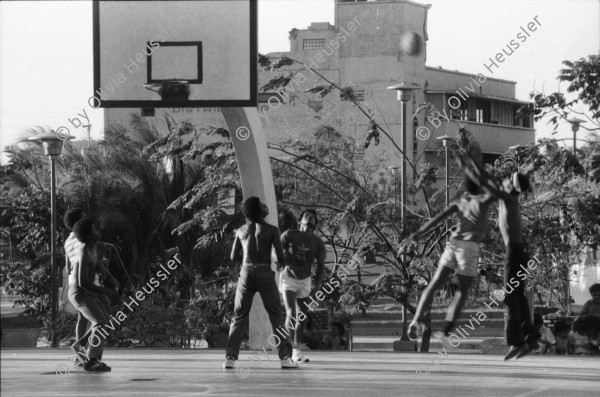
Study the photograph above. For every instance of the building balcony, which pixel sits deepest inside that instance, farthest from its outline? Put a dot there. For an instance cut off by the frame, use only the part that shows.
(493, 138)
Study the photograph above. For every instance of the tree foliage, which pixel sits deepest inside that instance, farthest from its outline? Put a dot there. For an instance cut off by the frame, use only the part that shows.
(583, 78)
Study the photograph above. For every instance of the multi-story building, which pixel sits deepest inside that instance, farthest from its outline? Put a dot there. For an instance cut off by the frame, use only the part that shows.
(362, 51)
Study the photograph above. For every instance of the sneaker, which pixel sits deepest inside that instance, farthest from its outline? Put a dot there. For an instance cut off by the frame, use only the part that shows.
(288, 363)
(107, 367)
(229, 362)
(94, 365)
(297, 357)
(444, 340)
(517, 351)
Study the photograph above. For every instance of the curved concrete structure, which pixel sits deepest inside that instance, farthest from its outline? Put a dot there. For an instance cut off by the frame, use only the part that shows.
(257, 180)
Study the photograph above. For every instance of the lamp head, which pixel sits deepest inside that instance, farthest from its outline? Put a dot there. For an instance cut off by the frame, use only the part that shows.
(51, 142)
(404, 91)
(575, 122)
(445, 139)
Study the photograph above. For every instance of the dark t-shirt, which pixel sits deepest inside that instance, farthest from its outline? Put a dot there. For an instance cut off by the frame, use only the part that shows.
(590, 307)
(301, 249)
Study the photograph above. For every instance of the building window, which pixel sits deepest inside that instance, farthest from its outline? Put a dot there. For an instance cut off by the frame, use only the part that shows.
(313, 44)
(147, 112)
(359, 154)
(358, 94)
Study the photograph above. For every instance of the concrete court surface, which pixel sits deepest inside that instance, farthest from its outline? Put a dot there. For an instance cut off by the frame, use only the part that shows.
(164, 372)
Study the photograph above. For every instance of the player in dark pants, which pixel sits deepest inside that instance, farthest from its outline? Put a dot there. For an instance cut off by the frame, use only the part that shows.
(72, 246)
(252, 245)
(521, 335)
(82, 291)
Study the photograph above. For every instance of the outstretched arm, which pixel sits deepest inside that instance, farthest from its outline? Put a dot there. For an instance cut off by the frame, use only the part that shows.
(452, 208)
(475, 174)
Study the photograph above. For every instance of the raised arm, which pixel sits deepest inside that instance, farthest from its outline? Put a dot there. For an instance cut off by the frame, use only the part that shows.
(478, 177)
(452, 208)
(488, 196)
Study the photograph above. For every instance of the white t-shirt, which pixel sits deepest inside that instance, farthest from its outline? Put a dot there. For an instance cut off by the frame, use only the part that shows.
(72, 246)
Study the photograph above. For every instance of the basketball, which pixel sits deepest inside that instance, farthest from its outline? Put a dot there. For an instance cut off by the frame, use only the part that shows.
(410, 43)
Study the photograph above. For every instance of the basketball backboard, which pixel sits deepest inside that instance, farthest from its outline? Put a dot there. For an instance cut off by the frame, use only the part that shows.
(210, 44)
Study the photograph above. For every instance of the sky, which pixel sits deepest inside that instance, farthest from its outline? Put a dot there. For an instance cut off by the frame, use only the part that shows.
(46, 50)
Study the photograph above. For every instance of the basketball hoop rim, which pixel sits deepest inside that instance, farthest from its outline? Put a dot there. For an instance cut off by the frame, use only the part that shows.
(165, 83)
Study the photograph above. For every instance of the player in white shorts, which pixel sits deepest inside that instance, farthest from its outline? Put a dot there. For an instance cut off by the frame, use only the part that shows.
(301, 249)
(461, 255)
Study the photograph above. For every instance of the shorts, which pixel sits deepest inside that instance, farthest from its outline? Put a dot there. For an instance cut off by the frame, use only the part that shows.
(462, 256)
(300, 287)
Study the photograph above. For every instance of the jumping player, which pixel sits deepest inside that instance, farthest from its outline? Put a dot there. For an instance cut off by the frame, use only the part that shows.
(461, 255)
(252, 246)
(301, 249)
(521, 335)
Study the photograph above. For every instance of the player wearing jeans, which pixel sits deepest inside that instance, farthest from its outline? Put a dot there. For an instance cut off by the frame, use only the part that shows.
(252, 246)
(521, 335)
(82, 291)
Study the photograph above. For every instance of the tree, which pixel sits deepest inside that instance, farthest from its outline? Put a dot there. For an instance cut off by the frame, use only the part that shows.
(583, 77)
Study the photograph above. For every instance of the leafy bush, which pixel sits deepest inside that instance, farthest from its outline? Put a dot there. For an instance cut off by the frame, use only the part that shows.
(154, 325)
(30, 280)
(62, 329)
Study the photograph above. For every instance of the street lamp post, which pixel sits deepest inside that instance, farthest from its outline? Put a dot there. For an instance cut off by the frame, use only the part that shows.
(53, 148)
(445, 139)
(394, 170)
(404, 94)
(575, 122)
